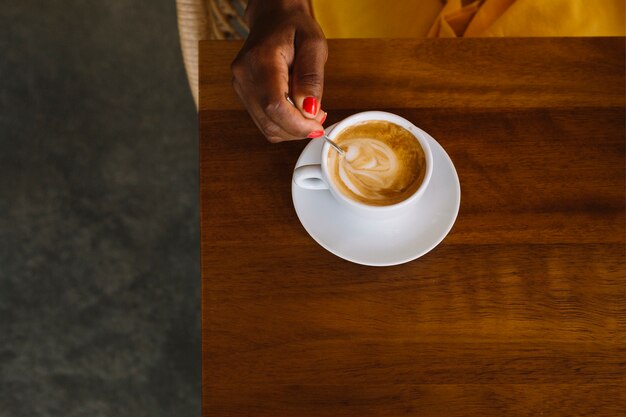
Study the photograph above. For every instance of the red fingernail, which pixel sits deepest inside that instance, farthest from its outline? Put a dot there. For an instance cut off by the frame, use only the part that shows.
(324, 118)
(310, 105)
(315, 134)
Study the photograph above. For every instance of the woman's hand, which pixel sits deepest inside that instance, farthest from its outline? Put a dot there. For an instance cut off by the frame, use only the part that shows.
(283, 56)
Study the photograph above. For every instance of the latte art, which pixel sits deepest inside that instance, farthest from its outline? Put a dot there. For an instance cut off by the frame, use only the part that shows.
(384, 163)
(369, 167)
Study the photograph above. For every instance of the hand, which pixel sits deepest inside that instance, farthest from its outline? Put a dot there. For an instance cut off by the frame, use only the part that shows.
(284, 54)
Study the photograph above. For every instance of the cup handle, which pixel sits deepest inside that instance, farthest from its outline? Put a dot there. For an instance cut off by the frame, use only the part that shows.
(310, 177)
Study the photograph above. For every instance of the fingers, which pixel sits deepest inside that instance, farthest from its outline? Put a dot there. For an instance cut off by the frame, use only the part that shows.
(321, 114)
(321, 117)
(261, 76)
(308, 71)
(262, 89)
(283, 114)
(270, 130)
(276, 106)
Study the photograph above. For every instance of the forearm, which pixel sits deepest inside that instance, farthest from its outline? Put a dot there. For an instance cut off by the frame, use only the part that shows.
(257, 8)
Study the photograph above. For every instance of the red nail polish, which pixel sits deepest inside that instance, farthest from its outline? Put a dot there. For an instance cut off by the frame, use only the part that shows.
(310, 105)
(324, 118)
(315, 134)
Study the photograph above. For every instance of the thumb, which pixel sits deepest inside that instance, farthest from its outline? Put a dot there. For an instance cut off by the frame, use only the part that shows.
(308, 73)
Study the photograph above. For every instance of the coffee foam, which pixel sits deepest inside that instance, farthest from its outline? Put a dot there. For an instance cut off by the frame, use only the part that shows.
(384, 163)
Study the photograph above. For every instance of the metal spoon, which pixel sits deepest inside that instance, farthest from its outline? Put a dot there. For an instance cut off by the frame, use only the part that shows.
(333, 145)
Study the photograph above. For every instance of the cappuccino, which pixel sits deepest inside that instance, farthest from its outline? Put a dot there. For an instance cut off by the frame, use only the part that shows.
(384, 163)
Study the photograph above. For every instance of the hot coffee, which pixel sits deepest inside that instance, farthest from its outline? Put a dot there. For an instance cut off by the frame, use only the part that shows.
(384, 163)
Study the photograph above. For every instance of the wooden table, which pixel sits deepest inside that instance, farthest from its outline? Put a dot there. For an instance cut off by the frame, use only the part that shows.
(519, 312)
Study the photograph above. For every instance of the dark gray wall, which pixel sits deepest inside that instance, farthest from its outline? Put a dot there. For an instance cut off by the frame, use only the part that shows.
(99, 245)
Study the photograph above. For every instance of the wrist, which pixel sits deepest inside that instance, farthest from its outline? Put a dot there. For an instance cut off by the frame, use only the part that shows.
(258, 8)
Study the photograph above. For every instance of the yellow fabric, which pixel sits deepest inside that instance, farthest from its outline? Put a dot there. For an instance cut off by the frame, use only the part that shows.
(487, 15)
(376, 18)
(560, 18)
(455, 18)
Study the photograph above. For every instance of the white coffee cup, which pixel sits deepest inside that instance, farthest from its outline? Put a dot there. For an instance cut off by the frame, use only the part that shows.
(316, 177)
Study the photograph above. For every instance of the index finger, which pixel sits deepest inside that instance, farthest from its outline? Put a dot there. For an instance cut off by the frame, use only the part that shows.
(275, 85)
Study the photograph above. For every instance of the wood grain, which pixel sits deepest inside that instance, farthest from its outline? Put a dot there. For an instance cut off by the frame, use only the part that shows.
(435, 73)
(521, 311)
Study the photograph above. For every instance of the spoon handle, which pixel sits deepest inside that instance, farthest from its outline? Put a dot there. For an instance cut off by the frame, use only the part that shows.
(335, 146)
(326, 138)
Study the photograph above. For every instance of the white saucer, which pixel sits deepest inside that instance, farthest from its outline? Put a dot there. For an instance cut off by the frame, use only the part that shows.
(381, 242)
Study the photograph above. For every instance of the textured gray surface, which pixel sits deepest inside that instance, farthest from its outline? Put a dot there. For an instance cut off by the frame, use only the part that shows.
(99, 268)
